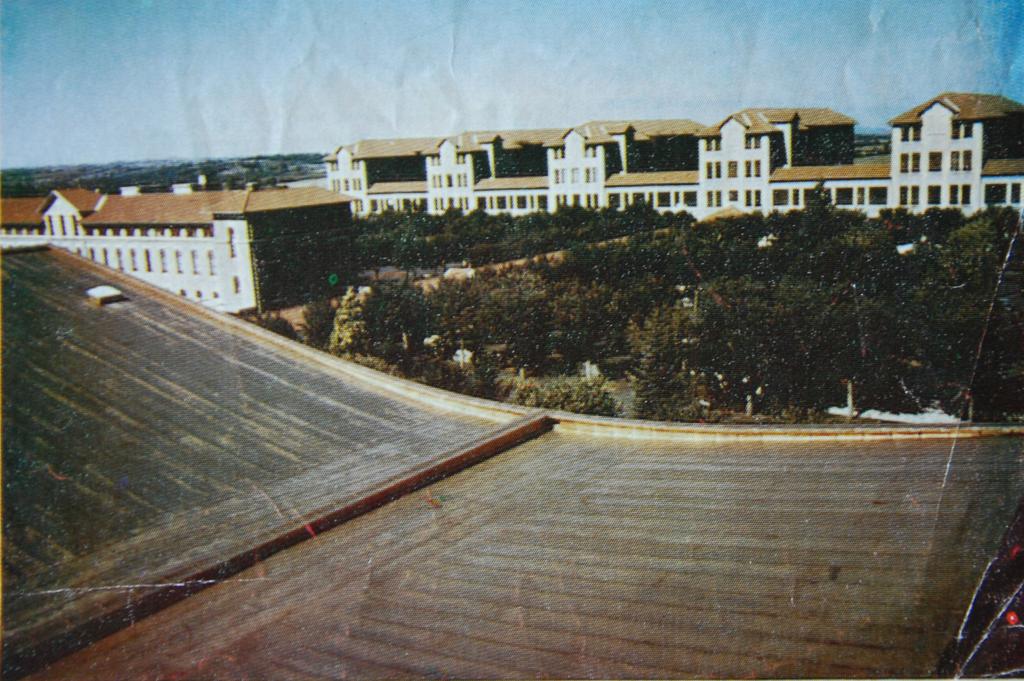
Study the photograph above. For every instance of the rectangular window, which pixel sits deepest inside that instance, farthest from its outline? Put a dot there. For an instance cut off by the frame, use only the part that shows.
(954, 194)
(904, 163)
(878, 196)
(710, 199)
(120, 260)
(860, 196)
(690, 198)
(177, 261)
(780, 197)
(520, 202)
(734, 196)
(965, 194)
(209, 262)
(613, 200)
(995, 194)
(501, 203)
(237, 284)
(844, 196)
(905, 133)
(710, 170)
(195, 263)
(915, 133)
(954, 160)
(955, 130)
(542, 202)
(935, 162)
(734, 168)
(135, 264)
(748, 167)
(968, 159)
(904, 196)
(915, 195)
(968, 129)
(1015, 193)
(796, 197)
(934, 195)
(664, 199)
(915, 163)
(757, 169)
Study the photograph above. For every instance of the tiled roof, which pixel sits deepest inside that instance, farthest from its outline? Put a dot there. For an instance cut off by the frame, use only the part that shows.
(967, 106)
(764, 120)
(530, 182)
(854, 171)
(409, 187)
(387, 148)
(300, 197)
(660, 177)
(511, 139)
(201, 207)
(23, 211)
(600, 132)
(84, 200)
(1003, 166)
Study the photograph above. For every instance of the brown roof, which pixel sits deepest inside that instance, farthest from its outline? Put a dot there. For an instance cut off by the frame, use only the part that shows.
(333, 156)
(855, 171)
(600, 132)
(511, 139)
(967, 106)
(660, 177)
(23, 211)
(300, 197)
(764, 120)
(531, 182)
(201, 207)
(387, 148)
(1003, 166)
(85, 200)
(409, 187)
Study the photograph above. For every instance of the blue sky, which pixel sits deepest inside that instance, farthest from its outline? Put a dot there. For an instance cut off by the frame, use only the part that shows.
(94, 81)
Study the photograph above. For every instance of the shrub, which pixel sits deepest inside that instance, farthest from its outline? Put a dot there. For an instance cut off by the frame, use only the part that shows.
(576, 395)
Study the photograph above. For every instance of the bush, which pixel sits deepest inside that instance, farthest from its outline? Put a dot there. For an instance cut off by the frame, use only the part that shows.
(279, 325)
(576, 395)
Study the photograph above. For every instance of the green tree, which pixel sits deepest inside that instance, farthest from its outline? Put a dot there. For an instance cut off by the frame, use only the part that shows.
(665, 381)
(318, 322)
(349, 334)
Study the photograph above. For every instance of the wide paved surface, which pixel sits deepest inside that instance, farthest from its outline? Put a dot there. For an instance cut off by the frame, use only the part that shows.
(141, 441)
(579, 557)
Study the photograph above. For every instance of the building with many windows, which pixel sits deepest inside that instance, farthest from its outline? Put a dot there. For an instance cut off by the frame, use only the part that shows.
(232, 250)
(956, 150)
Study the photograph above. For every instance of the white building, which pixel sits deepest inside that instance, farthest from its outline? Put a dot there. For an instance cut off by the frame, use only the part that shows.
(201, 245)
(958, 150)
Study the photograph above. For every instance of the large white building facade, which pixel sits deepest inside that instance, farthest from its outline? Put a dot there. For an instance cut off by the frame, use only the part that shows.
(225, 249)
(959, 150)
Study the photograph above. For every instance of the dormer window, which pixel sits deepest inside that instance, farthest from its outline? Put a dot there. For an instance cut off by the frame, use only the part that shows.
(713, 144)
(753, 142)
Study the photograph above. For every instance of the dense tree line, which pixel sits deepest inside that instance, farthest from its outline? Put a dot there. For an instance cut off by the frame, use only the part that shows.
(785, 314)
(419, 240)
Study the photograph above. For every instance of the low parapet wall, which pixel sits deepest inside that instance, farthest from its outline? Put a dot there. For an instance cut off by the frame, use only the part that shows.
(501, 412)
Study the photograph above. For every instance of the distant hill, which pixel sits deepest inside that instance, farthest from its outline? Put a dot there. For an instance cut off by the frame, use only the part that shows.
(160, 175)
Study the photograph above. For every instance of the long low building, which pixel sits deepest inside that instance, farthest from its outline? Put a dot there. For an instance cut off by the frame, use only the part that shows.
(961, 150)
(190, 496)
(233, 250)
